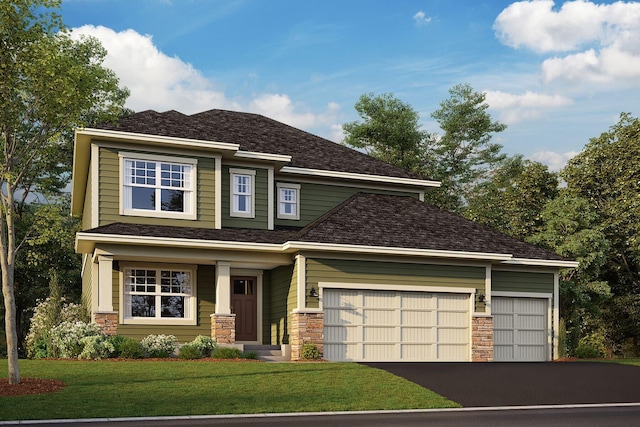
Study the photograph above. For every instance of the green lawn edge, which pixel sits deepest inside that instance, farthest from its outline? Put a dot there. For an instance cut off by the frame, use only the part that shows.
(115, 389)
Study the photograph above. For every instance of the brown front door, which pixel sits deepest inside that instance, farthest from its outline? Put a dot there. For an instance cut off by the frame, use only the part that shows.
(244, 303)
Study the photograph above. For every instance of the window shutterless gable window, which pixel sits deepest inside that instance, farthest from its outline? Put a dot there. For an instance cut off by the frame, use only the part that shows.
(242, 192)
(158, 186)
(158, 294)
(288, 200)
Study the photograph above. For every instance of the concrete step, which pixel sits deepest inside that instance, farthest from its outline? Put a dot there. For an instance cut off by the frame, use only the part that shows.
(267, 353)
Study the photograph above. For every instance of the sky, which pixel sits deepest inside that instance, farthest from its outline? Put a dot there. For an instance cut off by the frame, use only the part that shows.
(557, 73)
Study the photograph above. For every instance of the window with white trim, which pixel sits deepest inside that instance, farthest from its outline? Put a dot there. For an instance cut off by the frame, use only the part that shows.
(288, 200)
(159, 295)
(242, 193)
(158, 186)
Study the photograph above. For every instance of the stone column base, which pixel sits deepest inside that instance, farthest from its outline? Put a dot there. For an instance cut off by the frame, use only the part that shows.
(482, 339)
(306, 328)
(108, 321)
(223, 328)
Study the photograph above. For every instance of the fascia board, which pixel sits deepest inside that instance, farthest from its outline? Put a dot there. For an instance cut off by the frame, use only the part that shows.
(359, 177)
(252, 155)
(85, 242)
(541, 262)
(79, 171)
(326, 247)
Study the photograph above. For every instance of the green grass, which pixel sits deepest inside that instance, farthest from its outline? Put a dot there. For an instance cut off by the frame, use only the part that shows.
(102, 389)
(634, 362)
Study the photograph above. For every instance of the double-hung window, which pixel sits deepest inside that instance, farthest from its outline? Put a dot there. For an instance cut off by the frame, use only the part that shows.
(242, 192)
(154, 294)
(158, 186)
(288, 200)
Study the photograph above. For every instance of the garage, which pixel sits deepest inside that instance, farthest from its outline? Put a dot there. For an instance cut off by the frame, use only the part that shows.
(520, 328)
(382, 325)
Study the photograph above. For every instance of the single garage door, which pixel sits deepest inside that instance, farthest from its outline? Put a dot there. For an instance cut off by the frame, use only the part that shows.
(520, 329)
(368, 325)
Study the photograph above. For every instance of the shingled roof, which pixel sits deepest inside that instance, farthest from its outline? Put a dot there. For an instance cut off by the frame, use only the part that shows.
(257, 133)
(366, 220)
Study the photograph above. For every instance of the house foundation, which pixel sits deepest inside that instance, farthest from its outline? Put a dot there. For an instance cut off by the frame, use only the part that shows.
(223, 328)
(108, 321)
(306, 327)
(482, 339)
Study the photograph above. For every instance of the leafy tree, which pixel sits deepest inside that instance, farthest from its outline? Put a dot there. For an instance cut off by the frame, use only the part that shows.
(48, 85)
(607, 174)
(389, 131)
(463, 155)
(513, 198)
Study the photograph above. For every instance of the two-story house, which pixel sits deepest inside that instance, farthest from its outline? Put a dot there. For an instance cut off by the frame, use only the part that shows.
(240, 227)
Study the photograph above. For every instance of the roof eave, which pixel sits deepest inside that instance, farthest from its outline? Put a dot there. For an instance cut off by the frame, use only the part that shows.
(541, 262)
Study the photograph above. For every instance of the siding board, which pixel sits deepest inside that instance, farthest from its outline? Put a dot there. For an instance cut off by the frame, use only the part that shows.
(516, 281)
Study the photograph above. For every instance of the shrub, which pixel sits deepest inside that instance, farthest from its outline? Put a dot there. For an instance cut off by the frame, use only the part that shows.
(591, 346)
(310, 351)
(206, 345)
(226, 353)
(189, 351)
(250, 355)
(130, 349)
(96, 347)
(66, 338)
(159, 345)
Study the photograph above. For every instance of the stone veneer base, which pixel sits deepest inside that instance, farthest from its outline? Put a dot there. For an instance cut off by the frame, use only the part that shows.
(306, 328)
(482, 339)
(223, 328)
(108, 321)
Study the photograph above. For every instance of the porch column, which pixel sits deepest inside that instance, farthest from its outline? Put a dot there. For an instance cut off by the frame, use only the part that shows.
(481, 338)
(105, 283)
(223, 323)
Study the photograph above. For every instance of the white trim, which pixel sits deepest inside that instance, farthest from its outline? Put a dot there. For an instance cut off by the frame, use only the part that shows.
(556, 316)
(94, 165)
(541, 262)
(270, 181)
(253, 155)
(358, 176)
(359, 185)
(280, 214)
(251, 173)
(259, 299)
(223, 287)
(190, 214)
(105, 283)
(391, 287)
(191, 311)
(487, 290)
(95, 277)
(421, 196)
(301, 278)
(218, 192)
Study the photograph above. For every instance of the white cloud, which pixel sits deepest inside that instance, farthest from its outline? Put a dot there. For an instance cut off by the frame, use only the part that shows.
(555, 161)
(515, 108)
(162, 83)
(421, 18)
(602, 41)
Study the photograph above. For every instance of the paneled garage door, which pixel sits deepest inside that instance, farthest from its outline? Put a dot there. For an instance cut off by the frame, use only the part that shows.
(366, 325)
(520, 330)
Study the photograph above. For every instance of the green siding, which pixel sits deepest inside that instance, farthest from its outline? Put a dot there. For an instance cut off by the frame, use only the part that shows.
(109, 193)
(184, 333)
(514, 281)
(282, 284)
(388, 273)
(261, 219)
(317, 199)
(87, 281)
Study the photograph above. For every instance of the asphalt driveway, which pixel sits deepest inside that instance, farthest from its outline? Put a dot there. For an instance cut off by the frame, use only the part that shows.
(516, 384)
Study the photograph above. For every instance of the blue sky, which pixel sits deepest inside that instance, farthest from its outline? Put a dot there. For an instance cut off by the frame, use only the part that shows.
(557, 73)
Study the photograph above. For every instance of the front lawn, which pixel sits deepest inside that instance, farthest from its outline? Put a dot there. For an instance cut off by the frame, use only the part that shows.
(634, 362)
(108, 389)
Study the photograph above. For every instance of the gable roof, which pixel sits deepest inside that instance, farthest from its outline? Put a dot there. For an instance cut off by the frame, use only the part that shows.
(256, 133)
(397, 224)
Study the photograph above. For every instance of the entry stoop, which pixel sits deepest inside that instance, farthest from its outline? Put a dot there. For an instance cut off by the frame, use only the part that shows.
(268, 353)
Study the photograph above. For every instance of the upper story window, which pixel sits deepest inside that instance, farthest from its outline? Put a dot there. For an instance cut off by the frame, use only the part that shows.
(288, 200)
(158, 186)
(154, 294)
(243, 192)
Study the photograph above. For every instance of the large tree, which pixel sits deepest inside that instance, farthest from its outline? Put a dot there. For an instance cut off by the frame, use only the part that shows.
(389, 131)
(48, 85)
(463, 155)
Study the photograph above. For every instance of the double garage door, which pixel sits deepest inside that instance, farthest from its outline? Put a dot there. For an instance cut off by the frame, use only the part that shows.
(371, 325)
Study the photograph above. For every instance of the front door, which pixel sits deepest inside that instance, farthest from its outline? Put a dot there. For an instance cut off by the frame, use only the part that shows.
(244, 303)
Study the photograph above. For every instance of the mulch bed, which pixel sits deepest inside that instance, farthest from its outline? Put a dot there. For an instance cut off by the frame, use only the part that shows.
(30, 386)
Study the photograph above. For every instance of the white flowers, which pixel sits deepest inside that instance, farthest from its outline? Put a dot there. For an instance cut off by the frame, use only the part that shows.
(159, 345)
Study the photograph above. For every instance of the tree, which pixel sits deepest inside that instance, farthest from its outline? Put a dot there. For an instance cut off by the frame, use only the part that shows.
(389, 131)
(513, 198)
(48, 85)
(463, 155)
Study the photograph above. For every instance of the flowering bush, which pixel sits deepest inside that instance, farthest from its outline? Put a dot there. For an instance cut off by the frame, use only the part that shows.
(96, 347)
(206, 345)
(65, 339)
(159, 345)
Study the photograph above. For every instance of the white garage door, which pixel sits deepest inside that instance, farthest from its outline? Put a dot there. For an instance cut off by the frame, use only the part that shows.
(520, 330)
(364, 325)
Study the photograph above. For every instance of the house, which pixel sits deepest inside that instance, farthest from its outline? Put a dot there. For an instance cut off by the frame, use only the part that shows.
(257, 233)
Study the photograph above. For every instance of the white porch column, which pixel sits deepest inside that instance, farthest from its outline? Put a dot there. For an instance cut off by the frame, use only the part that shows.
(105, 283)
(301, 264)
(223, 287)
